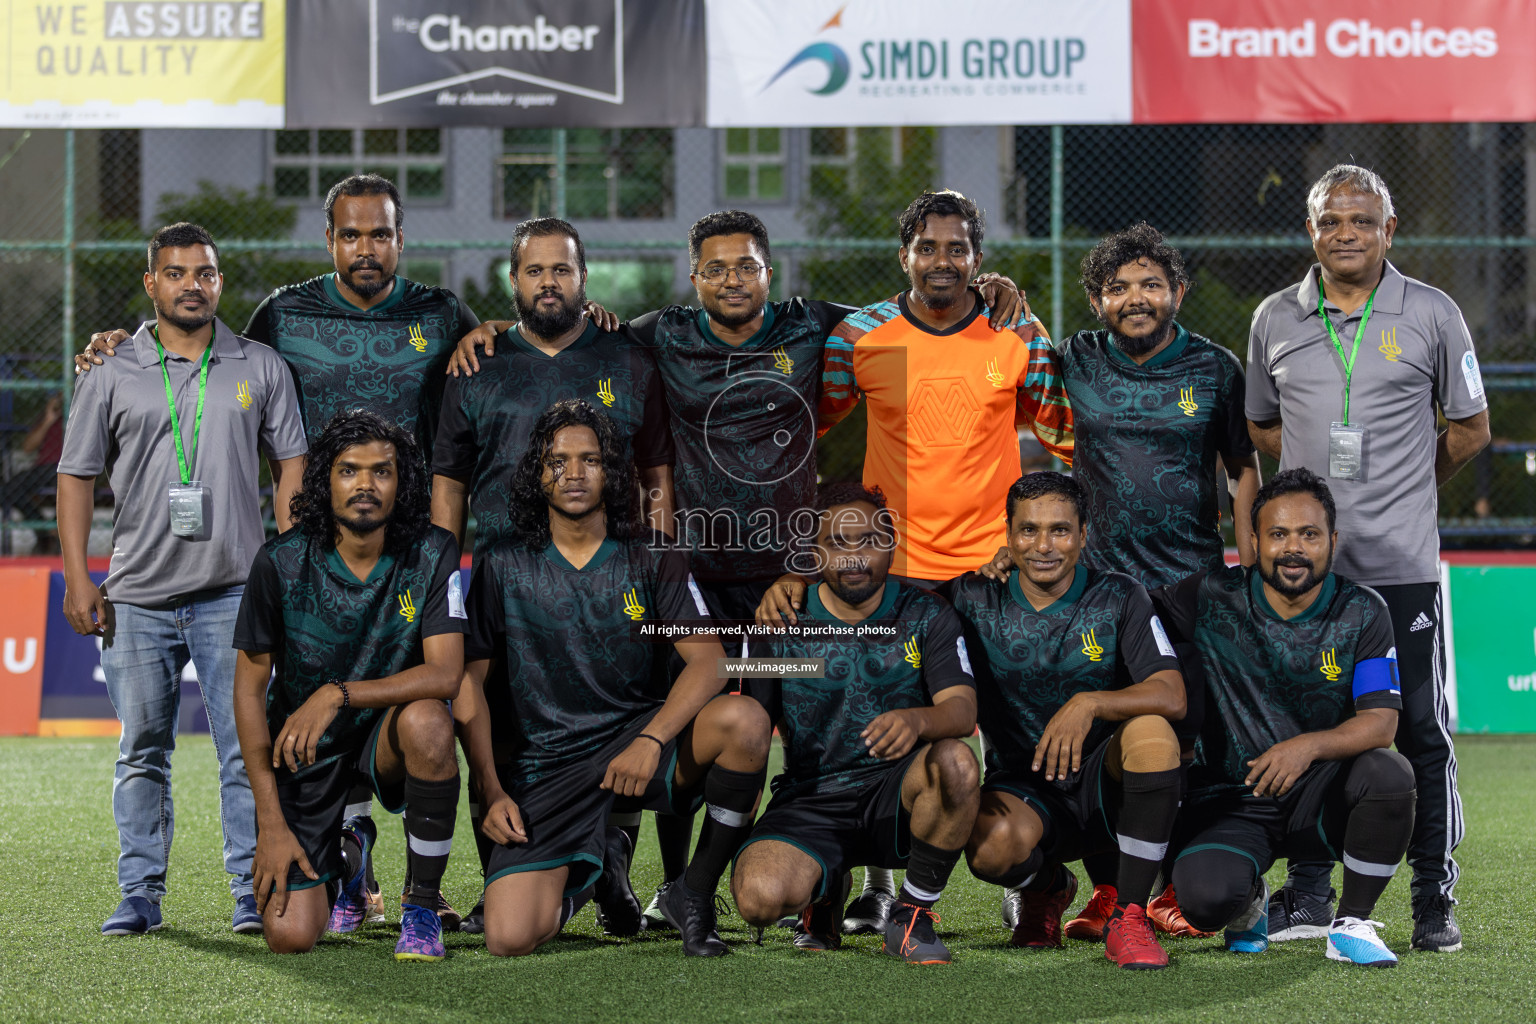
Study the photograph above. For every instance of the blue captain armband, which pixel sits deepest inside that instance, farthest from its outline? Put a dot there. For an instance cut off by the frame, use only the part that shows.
(1374, 675)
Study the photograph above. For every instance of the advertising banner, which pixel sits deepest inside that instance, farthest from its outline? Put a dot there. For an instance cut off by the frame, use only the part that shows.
(1494, 625)
(866, 62)
(23, 605)
(117, 64)
(1310, 61)
(561, 63)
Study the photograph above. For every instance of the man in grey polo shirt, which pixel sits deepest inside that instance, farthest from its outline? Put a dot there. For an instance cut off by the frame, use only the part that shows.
(1346, 372)
(179, 425)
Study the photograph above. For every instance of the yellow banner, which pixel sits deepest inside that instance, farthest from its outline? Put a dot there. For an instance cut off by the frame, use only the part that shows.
(132, 64)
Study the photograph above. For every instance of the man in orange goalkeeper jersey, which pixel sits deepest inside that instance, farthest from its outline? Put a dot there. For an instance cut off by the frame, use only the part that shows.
(945, 394)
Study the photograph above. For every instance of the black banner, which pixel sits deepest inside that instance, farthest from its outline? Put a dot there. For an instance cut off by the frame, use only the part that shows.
(512, 63)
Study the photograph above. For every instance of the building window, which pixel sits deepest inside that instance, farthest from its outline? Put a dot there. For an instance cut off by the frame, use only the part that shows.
(610, 174)
(752, 164)
(307, 162)
(838, 156)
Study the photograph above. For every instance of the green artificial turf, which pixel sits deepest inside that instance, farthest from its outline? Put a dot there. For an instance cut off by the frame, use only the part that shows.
(58, 851)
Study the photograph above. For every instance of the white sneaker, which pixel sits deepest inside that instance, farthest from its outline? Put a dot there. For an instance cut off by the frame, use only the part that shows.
(1354, 941)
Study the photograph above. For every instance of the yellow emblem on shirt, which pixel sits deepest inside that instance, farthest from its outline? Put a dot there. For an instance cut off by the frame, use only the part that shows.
(782, 362)
(605, 391)
(1091, 645)
(418, 339)
(994, 375)
(407, 607)
(914, 657)
(632, 606)
(1388, 346)
(1187, 401)
(243, 392)
(1331, 664)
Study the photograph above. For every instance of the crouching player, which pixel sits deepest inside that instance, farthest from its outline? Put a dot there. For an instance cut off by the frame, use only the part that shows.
(594, 726)
(360, 611)
(1076, 682)
(1302, 672)
(876, 770)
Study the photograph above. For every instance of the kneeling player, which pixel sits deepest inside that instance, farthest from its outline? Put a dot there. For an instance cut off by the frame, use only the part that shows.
(1076, 682)
(1303, 674)
(594, 726)
(360, 610)
(875, 768)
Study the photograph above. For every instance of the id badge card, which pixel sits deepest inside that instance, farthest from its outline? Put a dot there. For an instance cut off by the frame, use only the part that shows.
(189, 506)
(1346, 452)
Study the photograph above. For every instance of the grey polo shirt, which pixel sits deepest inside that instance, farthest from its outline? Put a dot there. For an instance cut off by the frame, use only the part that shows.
(1416, 355)
(119, 422)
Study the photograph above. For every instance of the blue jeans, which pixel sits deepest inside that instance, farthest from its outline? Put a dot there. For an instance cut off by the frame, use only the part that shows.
(142, 658)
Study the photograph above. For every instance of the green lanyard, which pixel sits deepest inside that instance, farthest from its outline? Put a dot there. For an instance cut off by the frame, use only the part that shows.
(1349, 363)
(170, 400)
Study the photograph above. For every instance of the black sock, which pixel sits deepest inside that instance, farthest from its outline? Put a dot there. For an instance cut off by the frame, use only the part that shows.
(1149, 802)
(430, 808)
(1050, 878)
(351, 854)
(729, 797)
(927, 873)
(1020, 874)
(628, 823)
(483, 843)
(1374, 841)
(1103, 868)
(674, 832)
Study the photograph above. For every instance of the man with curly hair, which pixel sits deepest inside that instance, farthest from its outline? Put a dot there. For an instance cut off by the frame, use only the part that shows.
(582, 603)
(360, 610)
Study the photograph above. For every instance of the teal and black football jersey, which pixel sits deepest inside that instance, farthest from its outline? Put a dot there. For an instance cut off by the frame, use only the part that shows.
(488, 418)
(1102, 634)
(1147, 441)
(1271, 678)
(391, 359)
(744, 422)
(909, 649)
(320, 622)
(578, 670)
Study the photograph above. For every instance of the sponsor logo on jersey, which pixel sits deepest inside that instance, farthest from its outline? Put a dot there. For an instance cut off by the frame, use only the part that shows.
(632, 606)
(994, 375)
(1422, 622)
(407, 606)
(605, 391)
(1388, 346)
(456, 597)
(418, 339)
(243, 392)
(914, 657)
(782, 362)
(1187, 401)
(1331, 664)
(1091, 645)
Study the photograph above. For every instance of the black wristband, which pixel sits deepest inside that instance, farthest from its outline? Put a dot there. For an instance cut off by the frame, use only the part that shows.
(653, 739)
(346, 698)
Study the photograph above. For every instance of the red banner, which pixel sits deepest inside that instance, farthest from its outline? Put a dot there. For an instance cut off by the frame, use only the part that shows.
(1310, 61)
(23, 617)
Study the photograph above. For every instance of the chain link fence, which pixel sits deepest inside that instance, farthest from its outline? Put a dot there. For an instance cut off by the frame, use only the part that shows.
(80, 206)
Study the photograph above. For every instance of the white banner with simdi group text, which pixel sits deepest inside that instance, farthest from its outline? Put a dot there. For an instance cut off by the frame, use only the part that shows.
(882, 62)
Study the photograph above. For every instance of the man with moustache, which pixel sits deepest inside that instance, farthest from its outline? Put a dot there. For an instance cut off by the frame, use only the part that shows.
(1156, 409)
(179, 424)
(945, 395)
(1366, 415)
(360, 612)
(553, 352)
(1293, 760)
(1076, 681)
(876, 769)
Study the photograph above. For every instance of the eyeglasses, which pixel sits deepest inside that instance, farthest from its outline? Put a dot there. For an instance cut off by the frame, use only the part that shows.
(743, 272)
